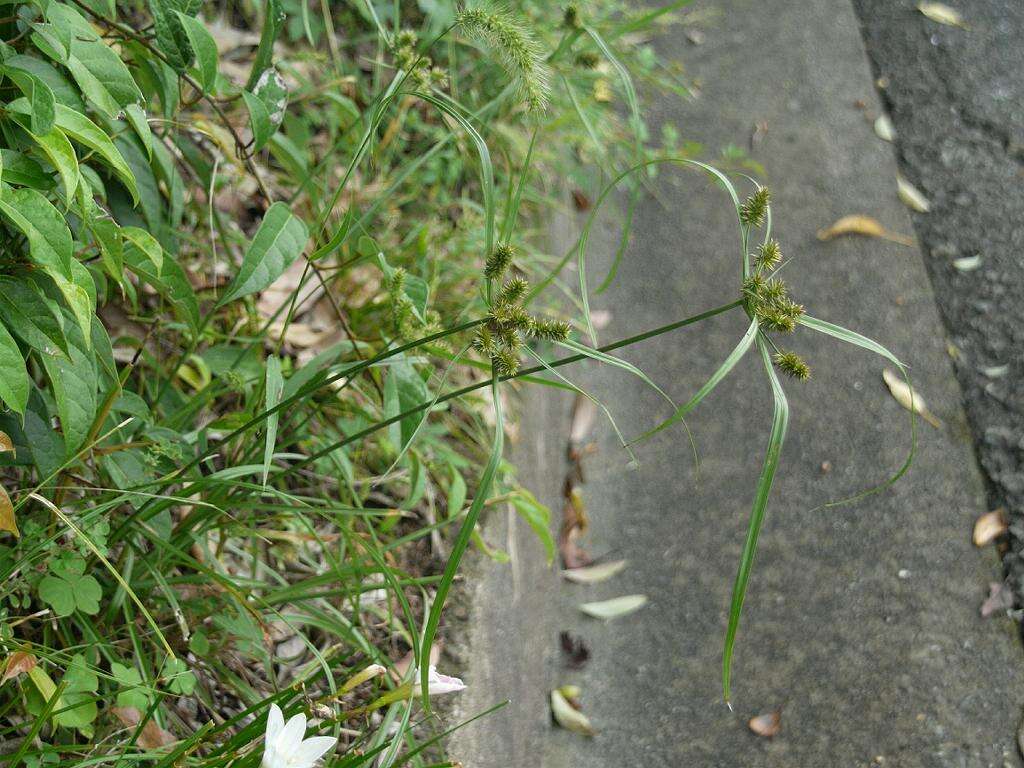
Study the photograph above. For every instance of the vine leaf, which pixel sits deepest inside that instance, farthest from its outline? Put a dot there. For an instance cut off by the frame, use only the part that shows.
(277, 243)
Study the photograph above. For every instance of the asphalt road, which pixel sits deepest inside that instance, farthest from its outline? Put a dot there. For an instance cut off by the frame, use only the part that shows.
(956, 97)
(862, 623)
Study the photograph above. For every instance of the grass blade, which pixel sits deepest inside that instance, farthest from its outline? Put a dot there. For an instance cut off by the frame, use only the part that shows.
(780, 421)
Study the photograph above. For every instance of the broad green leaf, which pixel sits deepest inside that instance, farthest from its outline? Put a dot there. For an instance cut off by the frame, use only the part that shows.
(24, 171)
(73, 381)
(61, 154)
(14, 381)
(80, 295)
(95, 66)
(136, 117)
(272, 91)
(203, 46)
(277, 243)
(169, 281)
(44, 442)
(108, 237)
(63, 89)
(274, 389)
(49, 239)
(170, 36)
(79, 698)
(85, 131)
(259, 120)
(273, 19)
(40, 99)
(29, 316)
(147, 244)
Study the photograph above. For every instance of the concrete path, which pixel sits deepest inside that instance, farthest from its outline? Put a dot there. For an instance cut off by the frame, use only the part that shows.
(861, 623)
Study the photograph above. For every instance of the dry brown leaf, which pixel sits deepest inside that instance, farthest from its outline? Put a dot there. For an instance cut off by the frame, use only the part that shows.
(942, 13)
(1000, 598)
(859, 224)
(911, 196)
(18, 663)
(989, 527)
(152, 735)
(906, 396)
(7, 520)
(6, 444)
(567, 716)
(766, 725)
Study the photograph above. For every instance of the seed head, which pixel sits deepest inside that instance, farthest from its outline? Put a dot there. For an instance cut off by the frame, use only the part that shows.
(551, 330)
(506, 362)
(499, 261)
(753, 210)
(513, 291)
(768, 256)
(791, 364)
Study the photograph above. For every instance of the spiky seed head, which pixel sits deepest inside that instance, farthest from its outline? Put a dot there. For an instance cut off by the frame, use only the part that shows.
(438, 77)
(513, 291)
(483, 341)
(768, 256)
(551, 330)
(571, 17)
(520, 54)
(499, 261)
(512, 316)
(396, 284)
(405, 38)
(791, 364)
(506, 362)
(754, 208)
(753, 287)
(774, 291)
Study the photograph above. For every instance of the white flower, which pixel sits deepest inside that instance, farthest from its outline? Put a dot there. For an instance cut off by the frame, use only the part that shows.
(284, 746)
(438, 684)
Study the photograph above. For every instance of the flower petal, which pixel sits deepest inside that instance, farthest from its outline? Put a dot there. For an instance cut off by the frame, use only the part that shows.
(311, 750)
(275, 722)
(438, 684)
(291, 736)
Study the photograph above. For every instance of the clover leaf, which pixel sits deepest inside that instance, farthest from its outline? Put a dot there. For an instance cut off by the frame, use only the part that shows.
(67, 587)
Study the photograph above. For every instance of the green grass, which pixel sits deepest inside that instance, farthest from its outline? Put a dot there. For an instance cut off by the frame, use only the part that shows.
(217, 503)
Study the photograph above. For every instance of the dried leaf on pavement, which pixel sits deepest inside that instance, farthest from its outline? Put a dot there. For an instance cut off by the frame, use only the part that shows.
(575, 650)
(594, 574)
(884, 128)
(1000, 598)
(766, 725)
(906, 396)
(911, 196)
(614, 608)
(989, 527)
(567, 716)
(942, 13)
(859, 224)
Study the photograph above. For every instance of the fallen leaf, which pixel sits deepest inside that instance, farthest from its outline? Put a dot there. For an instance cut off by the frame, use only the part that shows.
(859, 224)
(580, 200)
(884, 128)
(18, 663)
(576, 651)
(152, 735)
(942, 13)
(996, 371)
(617, 606)
(593, 574)
(7, 520)
(602, 91)
(967, 263)
(584, 411)
(906, 396)
(6, 444)
(989, 527)
(766, 725)
(568, 716)
(999, 599)
(911, 196)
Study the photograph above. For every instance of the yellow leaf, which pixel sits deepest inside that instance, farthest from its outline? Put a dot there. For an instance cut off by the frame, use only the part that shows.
(602, 90)
(905, 395)
(942, 13)
(989, 527)
(567, 716)
(7, 521)
(18, 663)
(911, 196)
(858, 224)
(6, 444)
